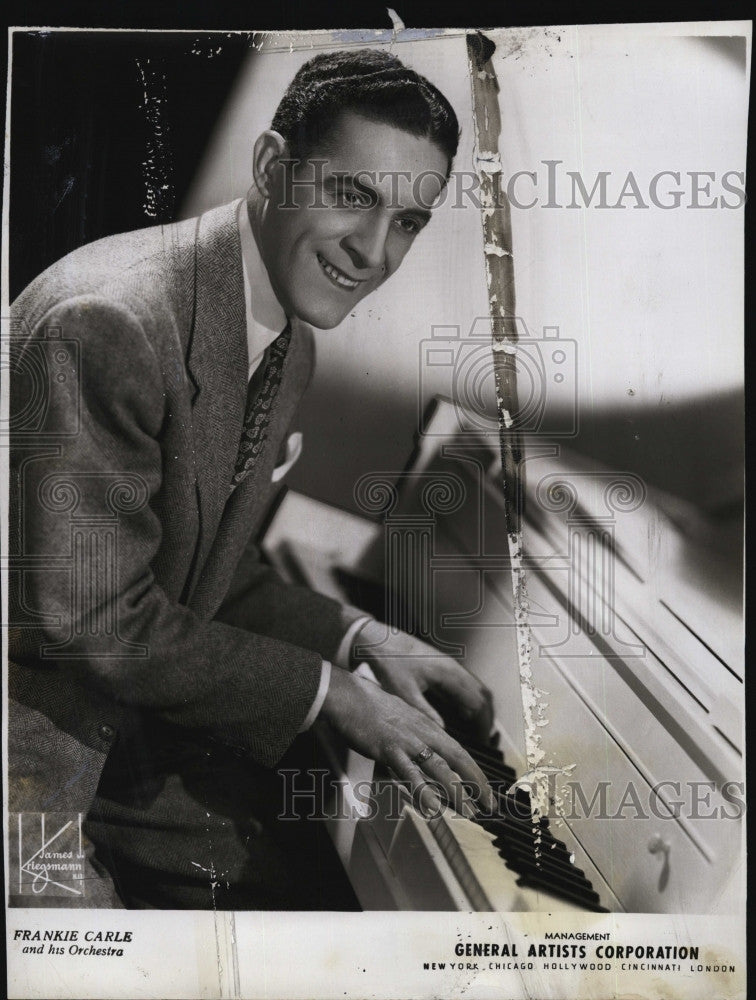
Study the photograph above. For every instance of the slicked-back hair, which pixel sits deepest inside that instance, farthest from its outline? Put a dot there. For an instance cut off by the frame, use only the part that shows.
(370, 83)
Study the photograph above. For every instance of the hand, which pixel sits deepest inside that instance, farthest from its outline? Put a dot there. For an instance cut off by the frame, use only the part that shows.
(409, 667)
(385, 728)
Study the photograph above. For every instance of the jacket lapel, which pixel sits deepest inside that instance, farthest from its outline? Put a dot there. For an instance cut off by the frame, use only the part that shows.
(217, 362)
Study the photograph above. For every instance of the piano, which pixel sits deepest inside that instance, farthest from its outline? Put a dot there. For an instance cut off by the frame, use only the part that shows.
(637, 678)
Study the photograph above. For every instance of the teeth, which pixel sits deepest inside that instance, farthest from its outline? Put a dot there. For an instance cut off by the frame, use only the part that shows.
(338, 276)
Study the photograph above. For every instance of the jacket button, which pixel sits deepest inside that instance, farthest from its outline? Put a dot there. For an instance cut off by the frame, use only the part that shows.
(106, 732)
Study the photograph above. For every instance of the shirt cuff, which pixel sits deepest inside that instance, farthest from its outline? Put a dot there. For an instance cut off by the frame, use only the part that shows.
(343, 656)
(325, 680)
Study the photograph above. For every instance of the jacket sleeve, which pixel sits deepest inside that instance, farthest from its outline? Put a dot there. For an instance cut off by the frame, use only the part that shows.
(89, 603)
(260, 601)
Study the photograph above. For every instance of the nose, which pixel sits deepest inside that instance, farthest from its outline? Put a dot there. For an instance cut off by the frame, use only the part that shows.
(366, 243)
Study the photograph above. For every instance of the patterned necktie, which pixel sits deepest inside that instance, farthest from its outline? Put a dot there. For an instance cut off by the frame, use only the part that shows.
(261, 395)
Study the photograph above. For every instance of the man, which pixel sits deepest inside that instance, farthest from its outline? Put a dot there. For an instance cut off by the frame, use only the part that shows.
(159, 670)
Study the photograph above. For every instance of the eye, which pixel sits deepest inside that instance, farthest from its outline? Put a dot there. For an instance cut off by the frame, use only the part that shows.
(409, 225)
(353, 199)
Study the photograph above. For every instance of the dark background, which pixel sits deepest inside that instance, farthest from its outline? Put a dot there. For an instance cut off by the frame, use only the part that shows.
(86, 143)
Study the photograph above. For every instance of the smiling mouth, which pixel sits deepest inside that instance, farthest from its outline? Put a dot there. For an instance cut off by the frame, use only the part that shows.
(337, 277)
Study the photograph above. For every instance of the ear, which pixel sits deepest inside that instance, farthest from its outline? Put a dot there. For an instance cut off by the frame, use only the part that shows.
(269, 149)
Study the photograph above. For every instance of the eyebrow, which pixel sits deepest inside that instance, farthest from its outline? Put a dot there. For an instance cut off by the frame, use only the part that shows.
(423, 215)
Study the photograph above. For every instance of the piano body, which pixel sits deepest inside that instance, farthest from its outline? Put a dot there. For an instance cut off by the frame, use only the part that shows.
(637, 675)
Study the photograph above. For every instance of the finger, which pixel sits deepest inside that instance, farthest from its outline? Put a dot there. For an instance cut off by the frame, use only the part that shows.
(424, 795)
(437, 768)
(474, 698)
(415, 697)
(483, 719)
(459, 760)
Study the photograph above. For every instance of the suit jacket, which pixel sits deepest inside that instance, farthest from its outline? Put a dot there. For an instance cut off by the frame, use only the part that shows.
(135, 584)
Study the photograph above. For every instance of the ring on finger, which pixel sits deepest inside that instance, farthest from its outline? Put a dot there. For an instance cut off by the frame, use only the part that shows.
(422, 756)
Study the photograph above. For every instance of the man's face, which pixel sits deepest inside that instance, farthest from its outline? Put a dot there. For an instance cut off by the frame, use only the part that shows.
(350, 220)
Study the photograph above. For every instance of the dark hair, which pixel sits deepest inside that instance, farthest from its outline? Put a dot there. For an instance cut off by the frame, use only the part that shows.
(370, 83)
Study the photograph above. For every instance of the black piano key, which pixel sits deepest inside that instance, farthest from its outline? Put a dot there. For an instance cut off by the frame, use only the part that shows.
(542, 854)
(510, 813)
(515, 816)
(526, 845)
(543, 860)
(539, 850)
(588, 900)
(474, 745)
(502, 828)
(550, 880)
(522, 798)
(563, 893)
(518, 811)
(538, 854)
(552, 848)
(495, 770)
(488, 755)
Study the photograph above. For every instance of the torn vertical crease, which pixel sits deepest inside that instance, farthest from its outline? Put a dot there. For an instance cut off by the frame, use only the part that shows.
(499, 265)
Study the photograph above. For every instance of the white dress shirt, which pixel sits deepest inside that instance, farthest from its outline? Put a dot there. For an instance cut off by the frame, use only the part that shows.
(266, 319)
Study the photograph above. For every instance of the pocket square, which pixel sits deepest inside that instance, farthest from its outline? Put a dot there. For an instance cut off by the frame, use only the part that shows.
(293, 451)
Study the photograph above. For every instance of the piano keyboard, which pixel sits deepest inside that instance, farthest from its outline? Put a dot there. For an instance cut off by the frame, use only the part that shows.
(528, 848)
(397, 859)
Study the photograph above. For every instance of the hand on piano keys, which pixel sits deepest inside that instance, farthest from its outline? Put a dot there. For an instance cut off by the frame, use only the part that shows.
(414, 670)
(386, 728)
(433, 854)
(524, 841)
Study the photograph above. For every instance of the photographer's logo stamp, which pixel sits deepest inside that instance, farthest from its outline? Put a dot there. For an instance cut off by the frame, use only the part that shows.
(47, 854)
